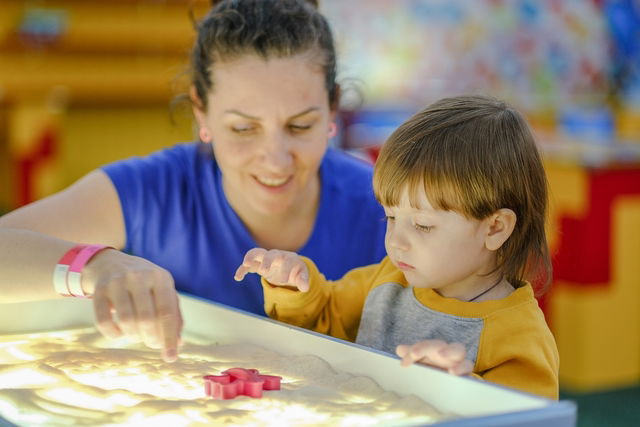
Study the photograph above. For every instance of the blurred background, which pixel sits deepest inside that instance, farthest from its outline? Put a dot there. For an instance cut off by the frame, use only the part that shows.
(85, 83)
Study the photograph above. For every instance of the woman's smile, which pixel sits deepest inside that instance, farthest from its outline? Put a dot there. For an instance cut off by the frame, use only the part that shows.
(274, 184)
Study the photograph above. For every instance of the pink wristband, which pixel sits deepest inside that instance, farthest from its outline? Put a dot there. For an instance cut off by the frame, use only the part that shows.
(74, 275)
(62, 268)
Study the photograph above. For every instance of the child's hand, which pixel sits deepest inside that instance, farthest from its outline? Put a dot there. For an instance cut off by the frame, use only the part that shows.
(438, 353)
(280, 268)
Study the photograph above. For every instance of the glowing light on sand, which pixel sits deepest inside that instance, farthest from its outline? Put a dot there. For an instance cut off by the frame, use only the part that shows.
(286, 414)
(77, 377)
(139, 382)
(24, 378)
(101, 403)
(19, 354)
(358, 420)
(173, 420)
(13, 413)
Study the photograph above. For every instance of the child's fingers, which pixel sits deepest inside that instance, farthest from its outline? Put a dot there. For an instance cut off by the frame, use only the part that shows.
(299, 276)
(251, 263)
(270, 265)
(246, 267)
(421, 351)
(402, 350)
(280, 268)
(407, 360)
(455, 352)
(275, 267)
(241, 272)
(463, 368)
(254, 255)
(434, 352)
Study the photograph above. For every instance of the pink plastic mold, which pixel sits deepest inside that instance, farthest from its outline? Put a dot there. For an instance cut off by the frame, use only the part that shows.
(239, 381)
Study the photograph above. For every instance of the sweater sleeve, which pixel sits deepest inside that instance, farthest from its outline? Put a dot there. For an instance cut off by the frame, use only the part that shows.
(329, 307)
(520, 352)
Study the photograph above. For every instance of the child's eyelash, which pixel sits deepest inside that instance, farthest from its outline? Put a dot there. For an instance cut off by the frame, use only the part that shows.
(425, 228)
(419, 227)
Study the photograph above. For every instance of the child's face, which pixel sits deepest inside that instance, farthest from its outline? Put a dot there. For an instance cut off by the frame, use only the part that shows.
(438, 249)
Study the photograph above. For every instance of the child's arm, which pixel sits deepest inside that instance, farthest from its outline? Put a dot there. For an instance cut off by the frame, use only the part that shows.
(295, 291)
(533, 370)
(449, 356)
(537, 375)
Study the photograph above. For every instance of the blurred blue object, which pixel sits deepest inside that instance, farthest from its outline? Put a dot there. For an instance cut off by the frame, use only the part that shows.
(367, 128)
(623, 18)
(587, 125)
(41, 26)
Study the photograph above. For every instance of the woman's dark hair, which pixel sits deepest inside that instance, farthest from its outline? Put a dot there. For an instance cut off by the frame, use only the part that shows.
(474, 155)
(268, 28)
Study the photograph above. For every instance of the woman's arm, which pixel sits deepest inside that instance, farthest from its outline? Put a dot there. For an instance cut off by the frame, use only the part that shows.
(34, 237)
(132, 296)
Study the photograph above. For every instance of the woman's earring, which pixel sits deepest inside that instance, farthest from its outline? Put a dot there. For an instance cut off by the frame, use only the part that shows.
(204, 135)
(333, 129)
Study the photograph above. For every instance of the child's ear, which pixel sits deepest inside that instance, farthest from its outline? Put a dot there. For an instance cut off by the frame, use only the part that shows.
(500, 226)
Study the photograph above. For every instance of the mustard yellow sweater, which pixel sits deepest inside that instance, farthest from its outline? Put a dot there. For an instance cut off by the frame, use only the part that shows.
(507, 340)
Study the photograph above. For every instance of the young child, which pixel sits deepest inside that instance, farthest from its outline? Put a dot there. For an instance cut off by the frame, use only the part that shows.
(465, 196)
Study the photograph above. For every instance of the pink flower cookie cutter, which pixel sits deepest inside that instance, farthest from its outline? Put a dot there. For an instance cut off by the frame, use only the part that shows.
(239, 381)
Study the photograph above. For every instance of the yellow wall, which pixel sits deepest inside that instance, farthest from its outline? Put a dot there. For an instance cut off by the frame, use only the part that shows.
(597, 327)
(104, 85)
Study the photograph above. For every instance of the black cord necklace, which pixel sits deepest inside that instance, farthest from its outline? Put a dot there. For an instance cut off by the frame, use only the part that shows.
(485, 291)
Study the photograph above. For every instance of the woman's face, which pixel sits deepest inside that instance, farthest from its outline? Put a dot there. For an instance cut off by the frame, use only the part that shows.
(269, 124)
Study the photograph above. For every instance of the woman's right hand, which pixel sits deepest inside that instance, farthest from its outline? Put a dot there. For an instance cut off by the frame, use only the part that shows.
(134, 298)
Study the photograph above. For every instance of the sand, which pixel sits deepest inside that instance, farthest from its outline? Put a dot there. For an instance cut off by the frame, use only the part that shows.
(79, 378)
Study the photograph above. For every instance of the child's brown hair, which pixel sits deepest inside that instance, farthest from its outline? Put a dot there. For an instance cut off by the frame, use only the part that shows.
(473, 155)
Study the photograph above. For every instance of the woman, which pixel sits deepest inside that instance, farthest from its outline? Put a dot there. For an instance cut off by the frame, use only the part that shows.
(264, 97)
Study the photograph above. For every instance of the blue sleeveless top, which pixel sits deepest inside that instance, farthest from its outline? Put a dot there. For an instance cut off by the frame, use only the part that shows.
(177, 216)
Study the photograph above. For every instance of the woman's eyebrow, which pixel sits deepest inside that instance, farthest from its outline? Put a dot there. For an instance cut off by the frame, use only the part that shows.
(241, 114)
(250, 117)
(307, 111)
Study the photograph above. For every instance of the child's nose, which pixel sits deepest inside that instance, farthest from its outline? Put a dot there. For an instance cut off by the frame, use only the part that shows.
(398, 240)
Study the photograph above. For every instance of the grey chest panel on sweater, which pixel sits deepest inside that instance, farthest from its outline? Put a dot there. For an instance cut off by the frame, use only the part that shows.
(392, 315)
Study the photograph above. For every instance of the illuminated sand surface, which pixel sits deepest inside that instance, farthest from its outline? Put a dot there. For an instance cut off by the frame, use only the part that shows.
(78, 378)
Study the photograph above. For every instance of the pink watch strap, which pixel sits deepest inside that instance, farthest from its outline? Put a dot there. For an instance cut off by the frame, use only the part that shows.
(62, 268)
(67, 278)
(74, 277)
(84, 256)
